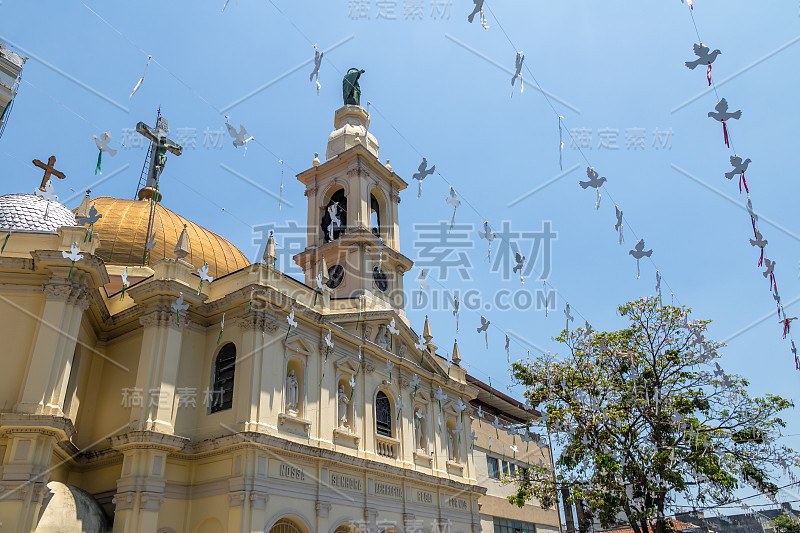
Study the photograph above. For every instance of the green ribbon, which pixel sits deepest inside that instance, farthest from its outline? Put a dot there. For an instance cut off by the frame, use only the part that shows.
(178, 317)
(287, 333)
(316, 292)
(89, 233)
(69, 277)
(422, 357)
(200, 288)
(5, 242)
(326, 355)
(415, 393)
(220, 337)
(251, 305)
(122, 297)
(99, 163)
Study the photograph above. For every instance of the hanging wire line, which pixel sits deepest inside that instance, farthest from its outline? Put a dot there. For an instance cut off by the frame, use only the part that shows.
(463, 198)
(200, 97)
(773, 280)
(179, 79)
(572, 139)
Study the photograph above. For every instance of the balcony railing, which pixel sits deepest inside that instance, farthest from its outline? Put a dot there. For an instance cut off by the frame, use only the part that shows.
(387, 446)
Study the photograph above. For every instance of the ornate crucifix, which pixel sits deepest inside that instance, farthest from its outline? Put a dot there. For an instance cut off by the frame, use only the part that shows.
(158, 151)
(49, 170)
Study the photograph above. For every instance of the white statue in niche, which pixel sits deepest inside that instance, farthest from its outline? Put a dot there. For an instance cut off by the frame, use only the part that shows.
(419, 431)
(450, 446)
(344, 401)
(292, 394)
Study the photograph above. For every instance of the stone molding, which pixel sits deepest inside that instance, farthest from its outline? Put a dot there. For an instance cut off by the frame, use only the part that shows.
(71, 293)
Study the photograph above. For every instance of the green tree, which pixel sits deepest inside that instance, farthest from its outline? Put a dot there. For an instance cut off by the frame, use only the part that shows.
(645, 414)
(786, 524)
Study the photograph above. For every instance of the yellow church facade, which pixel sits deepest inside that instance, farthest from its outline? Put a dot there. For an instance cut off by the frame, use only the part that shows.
(155, 381)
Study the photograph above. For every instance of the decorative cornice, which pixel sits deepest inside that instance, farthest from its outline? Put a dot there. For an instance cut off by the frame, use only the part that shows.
(257, 321)
(160, 318)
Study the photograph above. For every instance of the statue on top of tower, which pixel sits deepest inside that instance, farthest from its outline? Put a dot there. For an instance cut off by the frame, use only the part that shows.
(351, 91)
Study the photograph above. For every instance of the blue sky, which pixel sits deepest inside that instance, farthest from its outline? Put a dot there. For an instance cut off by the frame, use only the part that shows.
(614, 66)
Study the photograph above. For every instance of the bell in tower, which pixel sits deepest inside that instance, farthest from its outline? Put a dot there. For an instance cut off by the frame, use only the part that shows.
(352, 211)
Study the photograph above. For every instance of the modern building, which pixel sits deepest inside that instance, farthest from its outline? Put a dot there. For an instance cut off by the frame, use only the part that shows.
(155, 381)
(503, 448)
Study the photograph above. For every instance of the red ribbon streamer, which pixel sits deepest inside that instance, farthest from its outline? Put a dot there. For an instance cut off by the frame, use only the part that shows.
(743, 179)
(785, 327)
(753, 220)
(708, 74)
(761, 259)
(725, 133)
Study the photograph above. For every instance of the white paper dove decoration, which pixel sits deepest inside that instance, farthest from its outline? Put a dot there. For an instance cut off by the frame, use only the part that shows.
(240, 138)
(317, 63)
(73, 255)
(178, 306)
(474, 437)
(753, 215)
(439, 396)
(292, 324)
(102, 146)
(496, 425)
(389, 367)
(478, 9)
(485, 329)
(92, 219)
(594, 181)
(638, 252)
(380, 252)
(704, 57)
(721, 114)
(333, 211)
(760, 242)
(460, 408)
(148, 246)
(455, 310)
(770, 271)
(739, 167)
(125, 283)
(392, 332)
(423, 172)
(618, 226)
(415, 381)
(203, 272)
(515, 449)
(567, 314)
(518, 74)
(48, 194)
(489, 235)
(328, 343)
(141, 80)
(422, 285)
(453, 200)
(520, 260)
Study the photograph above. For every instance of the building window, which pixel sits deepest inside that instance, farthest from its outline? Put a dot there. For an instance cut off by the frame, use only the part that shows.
(503, 525)
(221, 394)
(493, 466)
(383, 414)
(505, 467)
(512, 468)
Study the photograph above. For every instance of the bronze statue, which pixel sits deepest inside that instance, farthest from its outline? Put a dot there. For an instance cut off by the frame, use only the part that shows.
(351, 91)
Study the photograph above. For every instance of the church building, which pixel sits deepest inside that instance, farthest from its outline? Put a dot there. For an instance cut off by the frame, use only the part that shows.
(154, 380)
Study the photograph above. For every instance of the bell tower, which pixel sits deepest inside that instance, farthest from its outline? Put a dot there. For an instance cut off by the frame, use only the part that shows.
(352, 226)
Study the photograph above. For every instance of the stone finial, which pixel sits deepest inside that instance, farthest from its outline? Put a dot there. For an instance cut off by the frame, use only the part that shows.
(182, 247)
(316, 160)
(83, 209)
(323, 269)
(426, 332)
(456, 353)
(269, 251)
(388, 166)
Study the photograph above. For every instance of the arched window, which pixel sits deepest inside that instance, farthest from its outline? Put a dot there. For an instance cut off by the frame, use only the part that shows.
(375, 215)
(383, 414)
(284, 526)
(221, 396)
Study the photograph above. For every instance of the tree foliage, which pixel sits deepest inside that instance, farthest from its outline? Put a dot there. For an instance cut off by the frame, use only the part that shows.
(644, 414)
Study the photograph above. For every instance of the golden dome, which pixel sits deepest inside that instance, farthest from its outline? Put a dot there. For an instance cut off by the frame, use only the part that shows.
(123, 233)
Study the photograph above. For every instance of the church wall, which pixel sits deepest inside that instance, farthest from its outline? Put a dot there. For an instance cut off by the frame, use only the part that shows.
(115, 386)
(18, 306)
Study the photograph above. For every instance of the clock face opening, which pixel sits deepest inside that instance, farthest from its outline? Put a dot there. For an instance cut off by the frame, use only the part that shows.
(380, 279)
(335, 276)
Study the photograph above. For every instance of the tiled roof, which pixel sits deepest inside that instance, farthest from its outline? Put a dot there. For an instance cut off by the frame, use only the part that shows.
(26, 212)
(676, 525)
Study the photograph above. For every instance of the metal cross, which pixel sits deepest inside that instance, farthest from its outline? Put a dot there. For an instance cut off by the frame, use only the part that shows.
(160, 145)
